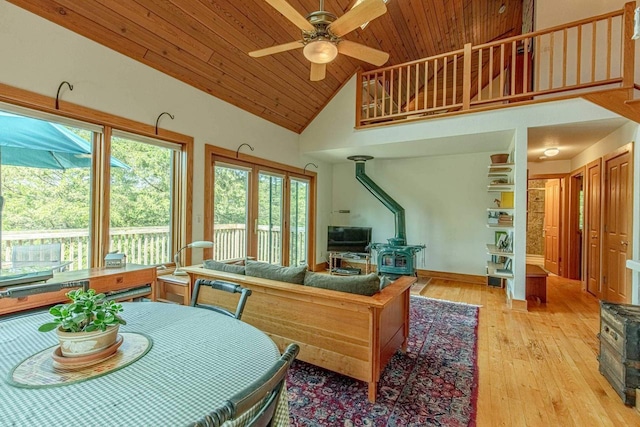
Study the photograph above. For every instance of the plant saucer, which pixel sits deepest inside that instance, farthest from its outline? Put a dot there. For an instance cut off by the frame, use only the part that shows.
(62, 362)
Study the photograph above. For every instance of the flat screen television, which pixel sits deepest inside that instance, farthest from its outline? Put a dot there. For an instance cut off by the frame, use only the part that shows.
(349, 239)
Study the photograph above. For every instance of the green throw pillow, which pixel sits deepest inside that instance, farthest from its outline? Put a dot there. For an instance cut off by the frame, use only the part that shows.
(361, 285)
(221, 266)
(276, 272)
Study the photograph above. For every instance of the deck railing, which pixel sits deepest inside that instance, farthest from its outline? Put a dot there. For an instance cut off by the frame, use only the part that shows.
(589, 54)
(150, 245)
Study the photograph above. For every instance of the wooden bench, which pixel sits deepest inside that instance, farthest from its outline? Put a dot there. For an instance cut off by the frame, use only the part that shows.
(536, 285)
(353, 335)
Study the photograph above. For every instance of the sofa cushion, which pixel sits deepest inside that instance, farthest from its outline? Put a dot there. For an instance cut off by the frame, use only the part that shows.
(221, 266)
(276, 272)
(384, 282)
(361, 285)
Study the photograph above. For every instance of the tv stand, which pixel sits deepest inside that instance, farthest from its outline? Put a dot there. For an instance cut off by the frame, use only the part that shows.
(334, 256)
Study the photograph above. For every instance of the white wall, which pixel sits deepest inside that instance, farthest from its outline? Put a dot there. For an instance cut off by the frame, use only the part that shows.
(549, 167)
(445, 200)
(606, 145)
(37, 55)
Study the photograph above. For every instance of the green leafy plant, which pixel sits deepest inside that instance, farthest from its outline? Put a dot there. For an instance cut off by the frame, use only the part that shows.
(87, 311)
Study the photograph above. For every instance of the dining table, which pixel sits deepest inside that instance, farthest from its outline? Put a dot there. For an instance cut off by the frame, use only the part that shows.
(195, 360)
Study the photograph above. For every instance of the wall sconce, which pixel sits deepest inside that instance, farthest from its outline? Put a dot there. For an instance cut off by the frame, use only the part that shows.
(197, 244)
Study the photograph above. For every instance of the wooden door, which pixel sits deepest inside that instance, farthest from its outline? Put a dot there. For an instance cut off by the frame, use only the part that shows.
(552, 225)
(618, 199)
(592, 227)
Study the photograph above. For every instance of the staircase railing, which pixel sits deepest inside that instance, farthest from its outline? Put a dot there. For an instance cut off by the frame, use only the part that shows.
(586, 55)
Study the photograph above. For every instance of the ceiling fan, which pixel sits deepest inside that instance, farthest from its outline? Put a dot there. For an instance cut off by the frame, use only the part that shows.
(322, 35)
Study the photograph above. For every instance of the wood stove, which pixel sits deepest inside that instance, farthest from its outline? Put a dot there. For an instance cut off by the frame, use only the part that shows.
(395, 258)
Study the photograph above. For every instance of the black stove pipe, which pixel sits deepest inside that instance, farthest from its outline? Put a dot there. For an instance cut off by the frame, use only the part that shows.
(379, 193)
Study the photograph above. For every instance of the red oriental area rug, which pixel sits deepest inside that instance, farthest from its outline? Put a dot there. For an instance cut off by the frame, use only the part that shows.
(434, 384)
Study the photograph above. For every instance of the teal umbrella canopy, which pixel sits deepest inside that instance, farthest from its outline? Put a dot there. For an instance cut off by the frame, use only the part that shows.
(36, 143)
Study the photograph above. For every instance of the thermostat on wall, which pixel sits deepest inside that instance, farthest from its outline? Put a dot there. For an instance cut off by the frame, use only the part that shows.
(114, 260)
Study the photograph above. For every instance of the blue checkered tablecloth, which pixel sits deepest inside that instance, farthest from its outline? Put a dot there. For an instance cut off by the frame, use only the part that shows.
(199, 358)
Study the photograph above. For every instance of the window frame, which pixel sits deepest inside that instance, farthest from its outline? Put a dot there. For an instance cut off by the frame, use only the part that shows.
(23, 101)
(214, 154)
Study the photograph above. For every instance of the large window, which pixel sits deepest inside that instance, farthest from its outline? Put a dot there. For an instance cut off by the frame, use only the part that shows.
(261, 210)
(141, 194)
(65, 202)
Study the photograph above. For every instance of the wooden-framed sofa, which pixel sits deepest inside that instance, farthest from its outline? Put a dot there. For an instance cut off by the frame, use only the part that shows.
(351, 334)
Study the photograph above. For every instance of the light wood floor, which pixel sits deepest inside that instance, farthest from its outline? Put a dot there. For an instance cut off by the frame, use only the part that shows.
(539, 368)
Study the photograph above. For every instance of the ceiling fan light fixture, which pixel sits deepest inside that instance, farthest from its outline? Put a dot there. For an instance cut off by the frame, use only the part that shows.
(550, 152)
(320, 51)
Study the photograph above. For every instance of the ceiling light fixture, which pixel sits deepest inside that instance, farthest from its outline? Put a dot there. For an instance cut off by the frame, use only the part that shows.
(502, 8)
(320, 51)
(550, 152)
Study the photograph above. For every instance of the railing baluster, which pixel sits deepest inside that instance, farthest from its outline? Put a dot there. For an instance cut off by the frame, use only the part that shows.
(391, 85)
(536, 70)
(564, 57)
(383, 91)
(375, 94)
(444, 81)
(425, 87)
(579, 56)
(593, 51)
(551, 58)
(399, 102)
(454, 99)
(408, 95)
(435, 82)
(490, 82)
(609, 48)
(480, 74)
(502, 65)
(514, 64)
(416, 90)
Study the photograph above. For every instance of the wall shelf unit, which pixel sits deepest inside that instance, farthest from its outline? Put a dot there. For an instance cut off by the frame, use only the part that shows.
(501, 220)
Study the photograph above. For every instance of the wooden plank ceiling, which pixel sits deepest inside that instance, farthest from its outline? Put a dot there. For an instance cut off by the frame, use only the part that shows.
(204, 43)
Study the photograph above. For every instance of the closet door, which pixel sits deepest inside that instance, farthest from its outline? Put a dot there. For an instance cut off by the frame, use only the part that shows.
(592, 227)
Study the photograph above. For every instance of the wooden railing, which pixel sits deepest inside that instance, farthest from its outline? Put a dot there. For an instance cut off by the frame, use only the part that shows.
(150, 245)
(590, 54)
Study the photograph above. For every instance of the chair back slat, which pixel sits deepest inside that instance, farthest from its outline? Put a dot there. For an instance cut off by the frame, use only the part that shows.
(223, 286)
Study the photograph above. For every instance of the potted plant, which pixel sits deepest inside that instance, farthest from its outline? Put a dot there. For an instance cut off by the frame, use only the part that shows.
(86, 325)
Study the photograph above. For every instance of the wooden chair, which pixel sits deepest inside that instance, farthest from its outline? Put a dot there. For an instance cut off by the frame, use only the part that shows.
(266, 389)
(48, 255)
(221, 285)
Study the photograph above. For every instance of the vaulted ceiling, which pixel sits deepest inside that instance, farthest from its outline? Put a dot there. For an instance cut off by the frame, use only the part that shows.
(205, 43)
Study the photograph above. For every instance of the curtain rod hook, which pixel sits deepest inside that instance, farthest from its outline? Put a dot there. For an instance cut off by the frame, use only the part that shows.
(305, 167)
(158, 119)
(58, 93)
(238, 150)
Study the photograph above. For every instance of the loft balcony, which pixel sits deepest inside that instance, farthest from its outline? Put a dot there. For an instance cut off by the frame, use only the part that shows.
(592, 58)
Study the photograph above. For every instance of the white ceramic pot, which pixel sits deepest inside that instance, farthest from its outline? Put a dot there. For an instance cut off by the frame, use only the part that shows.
(76, 344)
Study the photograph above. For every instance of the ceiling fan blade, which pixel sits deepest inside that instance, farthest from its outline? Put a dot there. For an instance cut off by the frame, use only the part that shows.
(318, 71)
(366, 11)
(291, 14)
(276, 49)
(362, 52)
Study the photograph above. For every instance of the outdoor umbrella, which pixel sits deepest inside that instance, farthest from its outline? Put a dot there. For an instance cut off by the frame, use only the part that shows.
(34, 143)
(39, 144)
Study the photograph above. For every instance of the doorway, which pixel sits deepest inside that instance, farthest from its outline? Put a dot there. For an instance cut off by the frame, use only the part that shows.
(544, 210)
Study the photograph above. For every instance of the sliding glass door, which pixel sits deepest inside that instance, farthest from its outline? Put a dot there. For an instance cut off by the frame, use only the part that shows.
(230, 211)
(299, 227)
(270, 220)
(259, 212)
